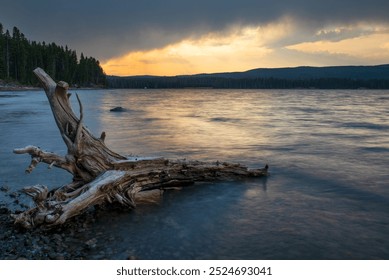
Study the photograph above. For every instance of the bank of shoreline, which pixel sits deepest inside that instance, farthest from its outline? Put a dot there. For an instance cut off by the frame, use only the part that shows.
(18, 88)
(75, 240)
(69, 242)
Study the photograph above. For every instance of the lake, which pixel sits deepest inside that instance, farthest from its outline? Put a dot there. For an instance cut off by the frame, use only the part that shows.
(327, 196)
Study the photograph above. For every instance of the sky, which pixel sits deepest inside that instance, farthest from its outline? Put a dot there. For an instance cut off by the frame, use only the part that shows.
(174, 37)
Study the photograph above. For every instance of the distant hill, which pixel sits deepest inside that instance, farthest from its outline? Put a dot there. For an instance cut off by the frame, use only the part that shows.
(371, 77)
(332, 77)
(307, 72)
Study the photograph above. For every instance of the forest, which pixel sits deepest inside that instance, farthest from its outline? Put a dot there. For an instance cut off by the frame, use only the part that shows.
(20, 56)
(210, 81)
(328, 77)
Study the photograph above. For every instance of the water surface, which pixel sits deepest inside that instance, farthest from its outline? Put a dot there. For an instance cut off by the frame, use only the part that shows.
(327, 196)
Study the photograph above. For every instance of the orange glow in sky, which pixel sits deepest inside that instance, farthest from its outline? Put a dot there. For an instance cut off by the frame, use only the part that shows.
(246, 47)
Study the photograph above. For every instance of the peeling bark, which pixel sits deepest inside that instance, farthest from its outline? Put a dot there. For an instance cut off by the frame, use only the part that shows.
(101, 175)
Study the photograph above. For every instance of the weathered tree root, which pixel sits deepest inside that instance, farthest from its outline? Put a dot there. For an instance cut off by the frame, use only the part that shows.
(101, 175)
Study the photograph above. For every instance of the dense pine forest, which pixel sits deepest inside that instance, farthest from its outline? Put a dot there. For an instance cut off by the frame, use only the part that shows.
(19, 57)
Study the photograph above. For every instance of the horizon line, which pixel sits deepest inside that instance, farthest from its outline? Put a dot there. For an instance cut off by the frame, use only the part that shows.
(259, 68)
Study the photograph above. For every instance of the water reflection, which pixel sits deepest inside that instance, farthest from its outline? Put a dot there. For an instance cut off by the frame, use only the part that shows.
(165, 122)
(326, 197)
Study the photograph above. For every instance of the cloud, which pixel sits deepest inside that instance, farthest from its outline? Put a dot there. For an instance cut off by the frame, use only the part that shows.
(107, 29)
(341, 32)
(236, 50)
(366, 49)
(278, 44)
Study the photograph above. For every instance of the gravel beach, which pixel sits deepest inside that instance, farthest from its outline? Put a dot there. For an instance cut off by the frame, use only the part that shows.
(71, 241)
(75, 240)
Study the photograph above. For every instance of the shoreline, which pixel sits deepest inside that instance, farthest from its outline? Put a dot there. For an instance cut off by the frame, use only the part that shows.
(73, 240)
(18, 88)
(37, 244)
(27, 88)
(60, 243)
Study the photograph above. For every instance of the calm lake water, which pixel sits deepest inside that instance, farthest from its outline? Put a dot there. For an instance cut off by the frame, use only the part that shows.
(327, 196)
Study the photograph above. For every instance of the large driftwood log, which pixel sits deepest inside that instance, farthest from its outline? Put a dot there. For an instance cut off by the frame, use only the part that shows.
(101, 175)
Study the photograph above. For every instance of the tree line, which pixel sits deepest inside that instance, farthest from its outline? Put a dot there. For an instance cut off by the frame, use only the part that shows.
(244, 83)
(19, 57)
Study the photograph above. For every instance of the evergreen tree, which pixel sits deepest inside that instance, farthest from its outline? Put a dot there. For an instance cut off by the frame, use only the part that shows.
(7, 45)
(2, 56)
(19, 57)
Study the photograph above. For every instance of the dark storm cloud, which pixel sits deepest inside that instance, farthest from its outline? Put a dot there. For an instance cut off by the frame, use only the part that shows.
(111, 28)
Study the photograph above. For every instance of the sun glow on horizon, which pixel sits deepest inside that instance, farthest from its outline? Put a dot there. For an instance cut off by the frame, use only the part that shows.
(242, 48)
(236, 50)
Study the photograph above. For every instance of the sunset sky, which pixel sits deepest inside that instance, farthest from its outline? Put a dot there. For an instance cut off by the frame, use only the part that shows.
(173, 37)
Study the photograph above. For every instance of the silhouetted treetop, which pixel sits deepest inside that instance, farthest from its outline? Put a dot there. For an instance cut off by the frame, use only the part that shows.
(19, 57)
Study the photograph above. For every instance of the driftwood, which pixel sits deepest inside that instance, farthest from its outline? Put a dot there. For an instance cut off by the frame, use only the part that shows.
(101, 175)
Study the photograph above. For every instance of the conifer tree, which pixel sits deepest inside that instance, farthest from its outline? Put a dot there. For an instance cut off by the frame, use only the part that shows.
(19, 57)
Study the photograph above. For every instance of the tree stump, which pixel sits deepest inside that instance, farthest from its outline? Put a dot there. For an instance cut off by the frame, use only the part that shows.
(101, 175)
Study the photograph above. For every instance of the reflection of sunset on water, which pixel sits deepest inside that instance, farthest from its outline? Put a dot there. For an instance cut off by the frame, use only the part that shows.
(171, 120)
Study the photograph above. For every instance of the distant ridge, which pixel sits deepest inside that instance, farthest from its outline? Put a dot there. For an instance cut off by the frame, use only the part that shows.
(374, 77)
(309, 72)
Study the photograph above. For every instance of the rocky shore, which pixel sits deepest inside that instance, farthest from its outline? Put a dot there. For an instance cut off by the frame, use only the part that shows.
(75, 240)
(15, 86)
(71, 241)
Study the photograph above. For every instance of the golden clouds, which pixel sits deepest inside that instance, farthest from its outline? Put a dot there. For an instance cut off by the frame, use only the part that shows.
(373, 48)
(238, 49)
(241, 48)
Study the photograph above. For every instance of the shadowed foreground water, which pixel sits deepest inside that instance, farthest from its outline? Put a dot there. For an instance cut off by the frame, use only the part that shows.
(327, 196)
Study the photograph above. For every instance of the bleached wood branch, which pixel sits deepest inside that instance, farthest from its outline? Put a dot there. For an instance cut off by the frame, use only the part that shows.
(38, 155)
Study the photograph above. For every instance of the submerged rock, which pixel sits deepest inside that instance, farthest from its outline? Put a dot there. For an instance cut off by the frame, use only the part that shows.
(118, 109)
